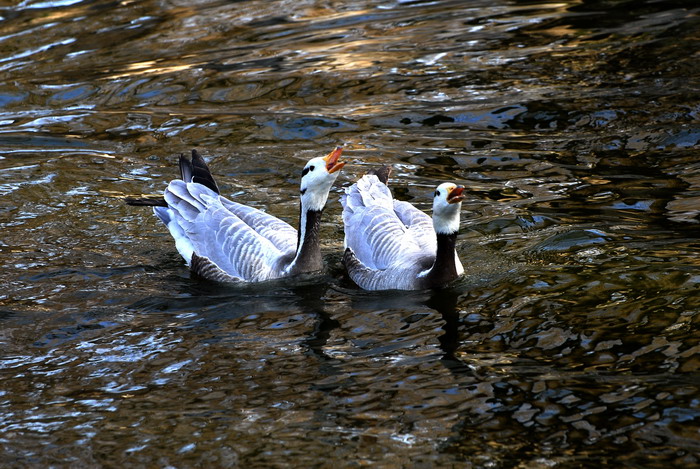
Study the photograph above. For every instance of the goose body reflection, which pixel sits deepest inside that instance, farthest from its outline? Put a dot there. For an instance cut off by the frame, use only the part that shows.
(225, 241)
(390, 244)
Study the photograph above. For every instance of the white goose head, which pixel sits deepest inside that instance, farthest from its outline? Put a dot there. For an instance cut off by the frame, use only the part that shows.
(447, 205)
(318, 176)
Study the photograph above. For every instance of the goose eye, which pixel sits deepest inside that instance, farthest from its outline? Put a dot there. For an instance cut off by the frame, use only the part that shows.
(311, 168)
(437, 193)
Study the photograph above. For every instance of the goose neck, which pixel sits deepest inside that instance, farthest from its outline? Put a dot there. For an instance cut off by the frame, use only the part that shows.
(444, 268)
(308, 254)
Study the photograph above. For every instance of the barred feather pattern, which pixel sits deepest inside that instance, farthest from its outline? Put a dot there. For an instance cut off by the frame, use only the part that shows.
(238, 242)
(388, 243)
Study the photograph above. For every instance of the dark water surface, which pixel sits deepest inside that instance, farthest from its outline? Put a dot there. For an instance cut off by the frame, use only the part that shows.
(573, 340)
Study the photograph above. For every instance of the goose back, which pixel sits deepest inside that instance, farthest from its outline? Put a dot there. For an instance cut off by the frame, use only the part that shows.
(388, 243)
(243, 242)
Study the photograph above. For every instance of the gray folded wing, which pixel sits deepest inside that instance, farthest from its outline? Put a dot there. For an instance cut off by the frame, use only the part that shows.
(386, 236)
(243, 242)
(282, 235)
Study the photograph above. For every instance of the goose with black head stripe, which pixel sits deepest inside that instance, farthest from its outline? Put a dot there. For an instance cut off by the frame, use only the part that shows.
(225, 241)
(391, 245)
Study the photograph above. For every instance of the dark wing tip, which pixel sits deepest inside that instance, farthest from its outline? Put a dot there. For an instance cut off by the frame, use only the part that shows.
(185, 168)
(382, 173)
(201, 173)
(146, 201)
(196, 170)
(349, 259)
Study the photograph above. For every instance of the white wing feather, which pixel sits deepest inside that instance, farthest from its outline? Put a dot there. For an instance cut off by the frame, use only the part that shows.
(384, 233)
(242, 241)
(281, 234)
(419, 224)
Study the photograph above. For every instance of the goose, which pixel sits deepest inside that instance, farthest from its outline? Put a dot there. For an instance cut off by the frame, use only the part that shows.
(391, 245)
(225, 241)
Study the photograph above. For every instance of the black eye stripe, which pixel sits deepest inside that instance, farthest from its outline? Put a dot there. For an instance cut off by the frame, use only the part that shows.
(307, 169)
(437, 193)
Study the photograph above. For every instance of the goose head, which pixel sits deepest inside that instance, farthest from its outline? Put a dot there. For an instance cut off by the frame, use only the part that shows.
(317, 177)
(447, 205)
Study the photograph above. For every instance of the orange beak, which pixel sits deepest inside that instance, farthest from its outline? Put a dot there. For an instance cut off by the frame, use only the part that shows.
(332, 163)
(455, 195)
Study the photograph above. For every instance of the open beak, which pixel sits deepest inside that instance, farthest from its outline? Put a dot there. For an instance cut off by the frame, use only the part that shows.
(332, 163)
(455, 195)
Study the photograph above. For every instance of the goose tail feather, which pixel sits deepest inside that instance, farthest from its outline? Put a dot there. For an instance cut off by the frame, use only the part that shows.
(196, 170)
(146, 201)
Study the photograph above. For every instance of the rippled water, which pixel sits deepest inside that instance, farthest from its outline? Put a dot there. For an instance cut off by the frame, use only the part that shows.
(571, 342)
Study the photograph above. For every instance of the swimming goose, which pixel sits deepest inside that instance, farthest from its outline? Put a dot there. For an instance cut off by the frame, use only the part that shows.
(225, 241)
(391, 245)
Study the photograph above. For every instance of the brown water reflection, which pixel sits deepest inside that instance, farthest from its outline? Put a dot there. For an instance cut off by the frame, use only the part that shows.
(572, 341)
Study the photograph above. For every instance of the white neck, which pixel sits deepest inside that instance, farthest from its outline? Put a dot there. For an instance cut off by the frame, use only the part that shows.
(446, 221)
(314, 200)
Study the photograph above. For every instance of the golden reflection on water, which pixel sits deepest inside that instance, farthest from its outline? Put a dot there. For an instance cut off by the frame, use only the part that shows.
(148, 68)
